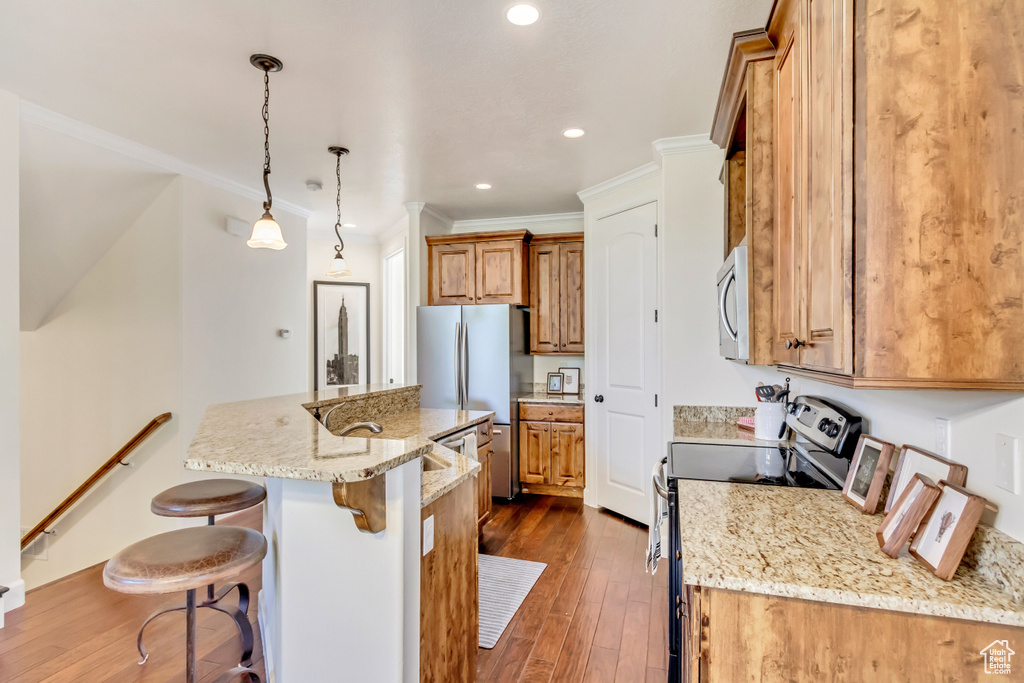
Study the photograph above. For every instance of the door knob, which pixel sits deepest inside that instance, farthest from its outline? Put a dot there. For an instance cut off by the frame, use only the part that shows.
(599, 399)
(794, 343)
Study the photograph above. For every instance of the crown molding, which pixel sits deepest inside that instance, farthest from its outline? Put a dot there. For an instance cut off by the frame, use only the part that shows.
(683, 144)
(50, 120)
(637, 175)
(476, 224)
(438, 215)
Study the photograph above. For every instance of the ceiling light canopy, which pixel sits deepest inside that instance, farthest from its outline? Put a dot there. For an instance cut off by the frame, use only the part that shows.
(266, 233)
(483, 186)
(574, 132)
(338, 267)
(523, 14)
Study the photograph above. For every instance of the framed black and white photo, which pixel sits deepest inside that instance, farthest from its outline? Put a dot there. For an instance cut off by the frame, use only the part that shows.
(914, 460)
(555, 380)
(341, 334)
(571, 380)
(942, 538)
(868, 468)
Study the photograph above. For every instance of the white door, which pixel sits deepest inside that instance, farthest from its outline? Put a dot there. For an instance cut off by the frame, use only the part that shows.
(623, 428)
(394, 317)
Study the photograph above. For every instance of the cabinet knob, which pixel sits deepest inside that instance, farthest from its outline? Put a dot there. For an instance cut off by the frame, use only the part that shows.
(794, 343)
(599, 399)
(550, 413)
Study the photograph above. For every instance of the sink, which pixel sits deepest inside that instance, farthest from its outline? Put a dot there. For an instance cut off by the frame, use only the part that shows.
(433, 463)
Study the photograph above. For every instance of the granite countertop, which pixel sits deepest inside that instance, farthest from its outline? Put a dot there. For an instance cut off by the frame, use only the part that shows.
(717, 433)
(436, 483)
(812, 544)
(564, 399)
(279, 436)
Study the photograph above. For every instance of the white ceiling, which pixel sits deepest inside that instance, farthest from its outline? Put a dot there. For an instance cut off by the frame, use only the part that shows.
(432, 97)
(69, 218)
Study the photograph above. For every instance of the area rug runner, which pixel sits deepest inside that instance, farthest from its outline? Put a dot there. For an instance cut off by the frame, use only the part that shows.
(504, 584)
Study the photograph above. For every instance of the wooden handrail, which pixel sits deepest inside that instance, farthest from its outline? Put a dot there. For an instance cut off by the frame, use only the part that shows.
(115, 460)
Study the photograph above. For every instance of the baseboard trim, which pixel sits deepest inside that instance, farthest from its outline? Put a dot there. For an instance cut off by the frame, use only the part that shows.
(12, 599)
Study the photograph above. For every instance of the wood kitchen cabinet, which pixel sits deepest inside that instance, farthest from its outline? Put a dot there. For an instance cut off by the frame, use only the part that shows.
(484, 480)
(556, 293)
(478, 268)
(744, 127)
(551, 449)
(732, 636)
(898, 242)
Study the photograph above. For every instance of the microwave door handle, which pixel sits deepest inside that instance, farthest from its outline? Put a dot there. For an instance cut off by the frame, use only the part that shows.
(729, 281)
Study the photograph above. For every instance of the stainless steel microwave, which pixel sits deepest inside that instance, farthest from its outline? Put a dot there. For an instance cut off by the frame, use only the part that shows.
(733, 311)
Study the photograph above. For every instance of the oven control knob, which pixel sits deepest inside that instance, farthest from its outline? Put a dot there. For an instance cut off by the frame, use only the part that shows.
(833, 431)
(824, 425)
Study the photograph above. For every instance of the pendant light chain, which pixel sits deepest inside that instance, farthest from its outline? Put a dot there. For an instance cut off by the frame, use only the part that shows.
(337, 226)
(266, 138)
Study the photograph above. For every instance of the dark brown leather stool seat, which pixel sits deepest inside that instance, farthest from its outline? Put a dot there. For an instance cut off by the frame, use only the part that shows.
(207, 498)
(190, 559)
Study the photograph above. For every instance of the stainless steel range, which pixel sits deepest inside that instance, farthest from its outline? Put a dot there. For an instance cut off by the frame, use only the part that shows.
(825, 436)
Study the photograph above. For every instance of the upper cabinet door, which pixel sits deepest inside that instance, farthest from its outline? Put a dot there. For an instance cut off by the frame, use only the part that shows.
(571, 297)
(827, 239)
(452, 274)
(787, 271)
(499, 272)
(544, 298)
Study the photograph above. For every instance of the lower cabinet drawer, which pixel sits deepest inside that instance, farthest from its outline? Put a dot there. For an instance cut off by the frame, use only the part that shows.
(550, 412)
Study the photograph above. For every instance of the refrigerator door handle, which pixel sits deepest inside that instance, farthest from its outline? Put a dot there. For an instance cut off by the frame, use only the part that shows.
(458, 364)
(465, 364)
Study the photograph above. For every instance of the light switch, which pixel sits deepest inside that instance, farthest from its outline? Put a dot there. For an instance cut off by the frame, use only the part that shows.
(428, 535)
(1008, 464)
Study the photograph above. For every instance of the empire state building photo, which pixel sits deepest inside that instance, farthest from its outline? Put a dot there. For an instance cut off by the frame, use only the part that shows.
(343, 369)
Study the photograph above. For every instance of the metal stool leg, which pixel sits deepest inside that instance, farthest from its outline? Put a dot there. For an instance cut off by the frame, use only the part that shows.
(244, 630)
(142, 648)
(236, 672)
(190, 637)
(243, 607)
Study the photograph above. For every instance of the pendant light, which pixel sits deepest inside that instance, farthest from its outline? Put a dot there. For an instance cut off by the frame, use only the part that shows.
(266, 233)
(339, 268)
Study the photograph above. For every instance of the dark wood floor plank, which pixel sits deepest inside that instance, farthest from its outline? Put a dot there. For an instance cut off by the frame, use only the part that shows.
(537, 671)
(613, 612)
(513, 661)
(575, 653)
(657, 675)
(551, 637)
(632, 665)
(601, 666)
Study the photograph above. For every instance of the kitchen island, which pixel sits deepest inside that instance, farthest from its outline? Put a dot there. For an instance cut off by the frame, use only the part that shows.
(341, 581)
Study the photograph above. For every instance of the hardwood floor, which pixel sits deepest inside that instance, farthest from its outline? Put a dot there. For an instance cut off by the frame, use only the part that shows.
(75, 629)
(594, 614)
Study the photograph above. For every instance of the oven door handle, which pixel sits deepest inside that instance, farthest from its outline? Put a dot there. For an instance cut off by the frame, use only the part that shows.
(658, 480)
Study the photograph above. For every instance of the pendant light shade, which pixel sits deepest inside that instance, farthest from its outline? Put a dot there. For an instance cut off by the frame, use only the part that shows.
(266, 233)
(338, 268)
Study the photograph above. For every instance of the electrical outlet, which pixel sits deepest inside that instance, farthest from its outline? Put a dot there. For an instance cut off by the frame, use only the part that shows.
(1008, 463)
(428, 535)
(942, 437)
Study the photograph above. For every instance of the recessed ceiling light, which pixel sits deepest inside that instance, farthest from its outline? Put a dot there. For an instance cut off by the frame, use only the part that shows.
(348, 225)
(483, 186)
(573, 132)
(523, 14)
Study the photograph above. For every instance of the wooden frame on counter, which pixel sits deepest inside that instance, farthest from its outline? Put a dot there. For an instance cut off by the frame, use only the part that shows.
(868, 470)
(906, 515)
(914, 460)
(953, 517)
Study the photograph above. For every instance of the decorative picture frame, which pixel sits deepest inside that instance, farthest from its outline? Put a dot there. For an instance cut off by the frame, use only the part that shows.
(945, 532)
(914, 460)
(868, 469)
(571, 381)
(903, 520)
(555, 381)
(341, 334)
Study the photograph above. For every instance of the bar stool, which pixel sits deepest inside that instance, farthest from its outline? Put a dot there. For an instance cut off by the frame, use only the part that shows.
(208, 498)
(188, 559)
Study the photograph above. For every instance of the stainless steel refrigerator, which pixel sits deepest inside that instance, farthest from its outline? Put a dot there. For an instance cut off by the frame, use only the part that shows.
(477, 358)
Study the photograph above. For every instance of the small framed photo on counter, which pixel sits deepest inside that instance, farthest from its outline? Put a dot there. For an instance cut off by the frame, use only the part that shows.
(570, 381)
(555, 381)
(942, 538)
(867, 473)
(906, 514)
(914, 460)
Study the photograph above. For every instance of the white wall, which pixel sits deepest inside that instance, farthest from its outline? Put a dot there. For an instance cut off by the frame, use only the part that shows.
(10, 462)
(234, 301)
(105, 363)
(364, 260)
(694, 374)
(422, 223)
